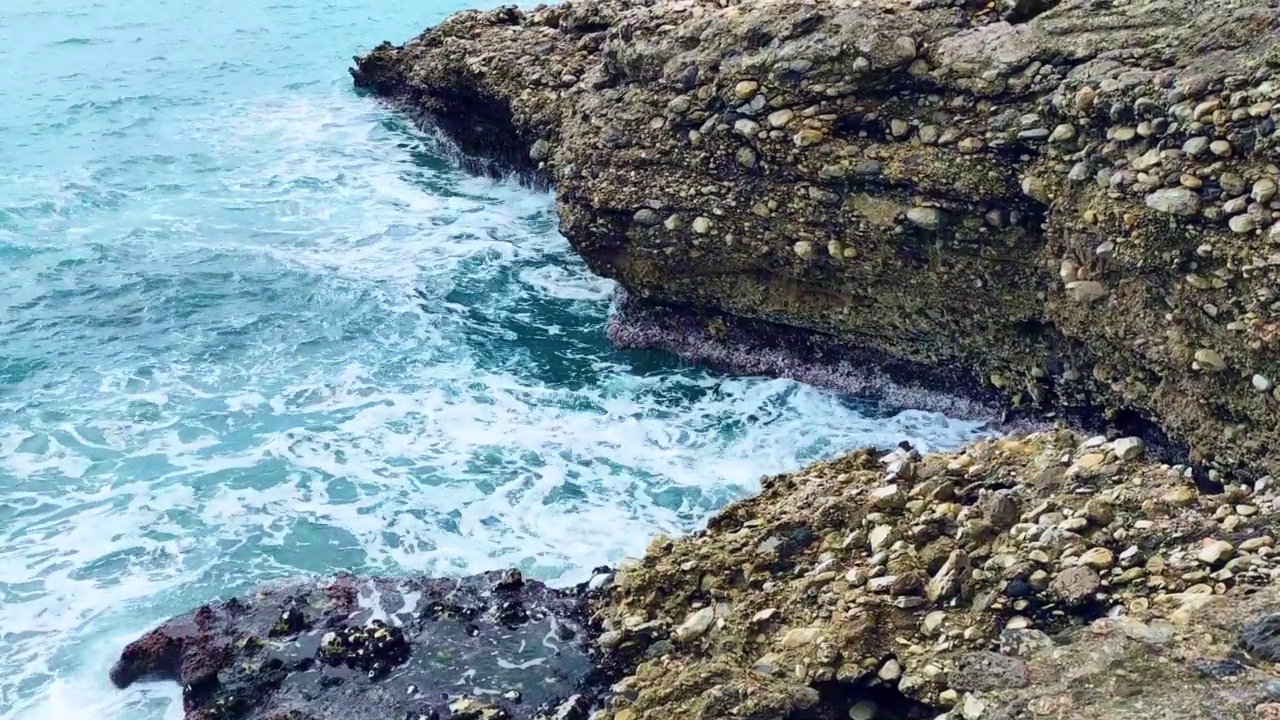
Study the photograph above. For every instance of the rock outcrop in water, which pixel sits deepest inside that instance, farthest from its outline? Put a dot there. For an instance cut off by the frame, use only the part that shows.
(485, 647)
(1067, 204)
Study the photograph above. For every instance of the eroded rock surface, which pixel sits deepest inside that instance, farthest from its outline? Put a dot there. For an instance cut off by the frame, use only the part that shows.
(1047, 576)
(485, 647)
(1070, 204)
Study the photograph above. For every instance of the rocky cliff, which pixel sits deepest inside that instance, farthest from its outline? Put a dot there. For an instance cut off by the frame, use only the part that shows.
(1065, 205)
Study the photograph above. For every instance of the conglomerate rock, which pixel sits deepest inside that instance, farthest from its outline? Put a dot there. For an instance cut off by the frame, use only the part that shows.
(1068, 204)
(1034, 577)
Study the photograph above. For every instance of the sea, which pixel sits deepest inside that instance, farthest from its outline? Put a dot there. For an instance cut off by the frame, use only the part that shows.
(254, 325)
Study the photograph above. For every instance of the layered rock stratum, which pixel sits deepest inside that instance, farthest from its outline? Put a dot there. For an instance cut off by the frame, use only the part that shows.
(1065, 207)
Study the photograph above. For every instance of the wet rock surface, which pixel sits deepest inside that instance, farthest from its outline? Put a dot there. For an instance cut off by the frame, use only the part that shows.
(491, 647)
(1072, 203)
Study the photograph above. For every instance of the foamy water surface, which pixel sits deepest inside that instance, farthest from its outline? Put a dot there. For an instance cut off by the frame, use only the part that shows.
(252, 325)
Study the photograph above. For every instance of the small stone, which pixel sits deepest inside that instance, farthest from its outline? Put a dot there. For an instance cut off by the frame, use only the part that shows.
(646, 217)
(1085, 97)
(950, 578)
(933, 621)
(1215, 552)
(890, 671)
(969, 145)
(1180, 496)
(905, 48)
(880, 537)
(1098, 558)
(1086, 291)
(779, 118)
(1221, 148)
(1075, 585)
(695, 625)
(972, 707)
(1263, 190)
(898, 127)
(1062, 133)
(1261, 383)
(1128, 448)
(863, 710)
(1242, 224)
(702, 225)
(799, 637)
(1125, 134)
(1090, 461)
(929, 218)
(540, 151)
(1034, 188)
(745, 89)
(807, 137)
(746, 128)
(1196, 146)
(803, 249)
(746, 157)
(1174, 201)
(1210, 360)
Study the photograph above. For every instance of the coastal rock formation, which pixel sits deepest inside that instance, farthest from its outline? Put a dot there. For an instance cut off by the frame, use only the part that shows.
(1046, 576)
(1066, 204)
(485, 647)
(1040, 576)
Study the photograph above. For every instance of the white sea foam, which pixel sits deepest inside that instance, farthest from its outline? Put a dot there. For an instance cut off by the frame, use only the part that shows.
(364, 429)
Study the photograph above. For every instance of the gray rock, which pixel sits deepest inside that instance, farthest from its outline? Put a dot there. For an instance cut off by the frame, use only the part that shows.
(985, 670)
(1174, 201)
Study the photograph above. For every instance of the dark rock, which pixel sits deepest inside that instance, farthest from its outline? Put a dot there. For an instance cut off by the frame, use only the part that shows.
(1261, 637)
(355, 648)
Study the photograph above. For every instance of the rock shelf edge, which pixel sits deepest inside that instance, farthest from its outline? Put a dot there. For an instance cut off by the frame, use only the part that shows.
(1071, 206)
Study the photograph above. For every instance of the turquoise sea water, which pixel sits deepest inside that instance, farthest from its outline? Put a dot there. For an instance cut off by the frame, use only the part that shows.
(253, 325)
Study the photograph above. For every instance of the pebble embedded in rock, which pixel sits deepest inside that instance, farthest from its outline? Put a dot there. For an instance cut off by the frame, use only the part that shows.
(1174, 201)
(1215, 552)
(1263, 190)
(646, 217)
(1062, 133)
(1086, 291)
(702, 225)
(863, 710)
(1034, 188)
(746, 128)
(695, 625)
(779, 118)
(973, 707)
(1128, 448)
(1098, 558)
(1261, 383)
(1242, 224)
(799, 637)
(1210, 360)
(905, 48)
(1075, 585)
(803, 249)
(1196, 146)
(929, 218)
